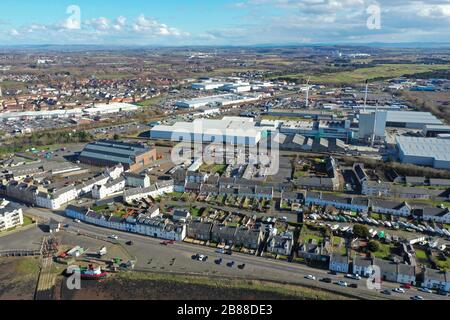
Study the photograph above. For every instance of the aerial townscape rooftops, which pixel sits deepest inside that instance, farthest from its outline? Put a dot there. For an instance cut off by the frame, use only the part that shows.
(235, 171)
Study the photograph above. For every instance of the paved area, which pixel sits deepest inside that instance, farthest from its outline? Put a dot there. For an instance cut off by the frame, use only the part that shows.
(29, 239)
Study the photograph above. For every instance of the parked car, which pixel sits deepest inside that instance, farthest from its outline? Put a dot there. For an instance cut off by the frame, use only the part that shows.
(219, 261)
(426, 290)
(334, 273)
(417, 298)
(326, 280)
(386, 292)
(129, 243)
(399, 290)
(114, 237)
(241, 266)
(407, 286)
(353, 276)
(310, 277)
(200, 257)
(230, 264)
(342, 283)
(353, 285)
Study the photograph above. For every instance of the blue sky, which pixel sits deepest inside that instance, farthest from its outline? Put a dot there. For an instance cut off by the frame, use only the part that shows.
(222, 22)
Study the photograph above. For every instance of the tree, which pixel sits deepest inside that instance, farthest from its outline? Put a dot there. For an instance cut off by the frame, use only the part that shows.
(373, 246)
(116, 137)
(361, 231)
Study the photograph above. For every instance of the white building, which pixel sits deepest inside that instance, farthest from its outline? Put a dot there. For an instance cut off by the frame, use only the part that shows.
(162, 228)
(115, 172)
(137, 180)
(57, 199)
(109, 189)
(238, 131)
(11, 215)
(394, 208)
(153, 191)
(372, 124)
(87, 186)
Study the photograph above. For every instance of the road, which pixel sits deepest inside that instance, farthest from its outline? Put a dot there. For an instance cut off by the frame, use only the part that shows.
(149, 252)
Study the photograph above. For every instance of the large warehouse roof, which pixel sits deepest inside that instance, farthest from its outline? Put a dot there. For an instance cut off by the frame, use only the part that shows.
(439, 149)
(412, 117)
(115, 151)
(231, 127)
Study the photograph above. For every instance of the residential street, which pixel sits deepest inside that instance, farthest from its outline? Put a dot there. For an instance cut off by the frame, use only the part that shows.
(152, 256)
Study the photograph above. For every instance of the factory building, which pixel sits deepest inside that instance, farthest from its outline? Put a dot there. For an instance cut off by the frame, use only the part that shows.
(433, 152)
(107, 153)
(239, 131)
(372, 124)
(411, 119)
(216, 101)
(435, 130)
(318, 129)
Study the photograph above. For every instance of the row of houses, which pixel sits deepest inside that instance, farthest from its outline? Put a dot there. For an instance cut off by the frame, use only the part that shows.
(438, 214)
(198, 182)
(243, 236)
(154, 191)
(377, 188)
(390, 271)
(151, 224)
(37, 194)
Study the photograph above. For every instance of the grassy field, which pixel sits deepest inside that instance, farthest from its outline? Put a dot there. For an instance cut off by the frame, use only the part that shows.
(443, 264)
(384, 252)
(149, 102)
(377, 72)
(310, 234)
(27, 221)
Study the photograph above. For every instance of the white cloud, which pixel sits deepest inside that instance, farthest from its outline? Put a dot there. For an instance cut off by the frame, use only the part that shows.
(100, 24)
(152, 27)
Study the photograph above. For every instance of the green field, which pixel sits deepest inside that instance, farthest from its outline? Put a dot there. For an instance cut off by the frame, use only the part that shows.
(378, 72)
(384, 252)
(149, 102)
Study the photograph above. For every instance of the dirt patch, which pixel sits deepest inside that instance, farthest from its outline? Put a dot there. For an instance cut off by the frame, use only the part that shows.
(18, 278)
(169, 287)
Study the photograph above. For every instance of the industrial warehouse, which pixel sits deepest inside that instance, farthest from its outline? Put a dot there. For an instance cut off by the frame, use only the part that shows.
(216, 101)
(433, 152)
(133, 156)
(239, 131)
